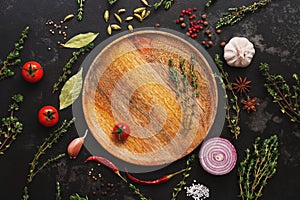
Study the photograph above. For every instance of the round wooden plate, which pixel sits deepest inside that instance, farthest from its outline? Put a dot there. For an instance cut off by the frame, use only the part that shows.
(170, 110)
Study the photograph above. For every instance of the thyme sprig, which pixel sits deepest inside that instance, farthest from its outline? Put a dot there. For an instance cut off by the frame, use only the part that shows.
(13, 57)
(232, 105)
(183, 92)
(58, 191)
(67, 68)
(80, 9)
(258, 167)
(111, 2)
(47, 144)
(166, 3)
(285, 95)
(78, 197)
(185, 175)
(234, 15)
(137, 192)
(10, 126)
(25, 195)
(209, 3)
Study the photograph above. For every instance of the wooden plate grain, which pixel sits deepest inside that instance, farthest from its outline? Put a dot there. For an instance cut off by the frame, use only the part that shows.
(129, 80)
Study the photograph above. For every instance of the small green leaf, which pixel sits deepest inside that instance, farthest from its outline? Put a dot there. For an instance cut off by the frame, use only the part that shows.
(81, 40)
(71, 90)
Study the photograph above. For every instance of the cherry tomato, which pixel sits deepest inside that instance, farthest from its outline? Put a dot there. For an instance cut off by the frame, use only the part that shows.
(32, 72)
(48, 116)
(121, 131)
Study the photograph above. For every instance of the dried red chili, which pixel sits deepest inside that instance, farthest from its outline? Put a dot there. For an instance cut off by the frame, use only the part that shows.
(156, 181)
(107, 163)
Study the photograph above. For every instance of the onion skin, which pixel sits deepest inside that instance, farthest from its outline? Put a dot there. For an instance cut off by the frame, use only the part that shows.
(217, 156)
(75, 146)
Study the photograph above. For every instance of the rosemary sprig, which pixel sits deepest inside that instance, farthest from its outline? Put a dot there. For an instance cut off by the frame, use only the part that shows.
(258, 167)
(67, 68)
(47, 144)
(58, 191)
(185, 175)
(25, 195)
(285, 95)
(137, 192)
(13, 57)
(166, 3)
(209, 3)
(232, 106)
(80, 9)
(235, 15)
(10, 126)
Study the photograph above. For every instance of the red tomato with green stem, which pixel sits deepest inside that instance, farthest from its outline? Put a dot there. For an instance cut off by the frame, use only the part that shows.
(121, 131)
(48, 116)
(32, 72)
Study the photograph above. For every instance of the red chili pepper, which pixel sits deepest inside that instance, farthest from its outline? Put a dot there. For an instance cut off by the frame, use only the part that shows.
(107, 163)
(153, 182)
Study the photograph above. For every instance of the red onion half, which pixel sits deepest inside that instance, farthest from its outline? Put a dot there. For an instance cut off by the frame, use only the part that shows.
(217, 156)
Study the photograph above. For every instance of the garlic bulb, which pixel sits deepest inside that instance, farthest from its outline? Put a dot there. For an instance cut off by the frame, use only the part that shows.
(239, 52)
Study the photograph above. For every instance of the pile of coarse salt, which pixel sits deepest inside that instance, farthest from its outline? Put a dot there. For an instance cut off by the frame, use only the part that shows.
(197, 191)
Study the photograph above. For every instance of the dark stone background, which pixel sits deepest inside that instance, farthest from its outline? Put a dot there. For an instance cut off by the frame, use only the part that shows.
(274, 30)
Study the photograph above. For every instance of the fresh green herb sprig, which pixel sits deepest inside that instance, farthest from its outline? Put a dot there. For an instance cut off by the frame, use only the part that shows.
(166, 3)
(58, 191)
(137, 192)
(285, 95)
(234, 15)
(48, 144)
(209, 3)
(13, 57)
(183, 92)
(232, 105)
(111, 2)
(78, 197)
(258, 167)
(185, 175)
(194, 76)
(80, 9)
(67, 68)
(25, 195)
(10, 126)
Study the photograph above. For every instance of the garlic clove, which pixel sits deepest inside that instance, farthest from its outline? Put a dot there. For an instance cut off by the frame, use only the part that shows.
(75, 146)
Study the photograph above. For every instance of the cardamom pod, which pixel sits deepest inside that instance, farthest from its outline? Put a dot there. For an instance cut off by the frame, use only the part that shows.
(109, 30)
(130, 27)
(147, 14)
(139, 10)
(115, 27)
(106, 15)
(118, 18)
(122, 10)
(145, 2)
(139, 17)
(129, 18)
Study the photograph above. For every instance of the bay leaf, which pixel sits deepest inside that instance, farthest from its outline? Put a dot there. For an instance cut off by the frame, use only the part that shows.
(71, 90)
(80, 40)
(69, 16)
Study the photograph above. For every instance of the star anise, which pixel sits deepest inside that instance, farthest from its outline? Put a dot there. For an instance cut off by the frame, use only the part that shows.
(241, 85)
(250, 104)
